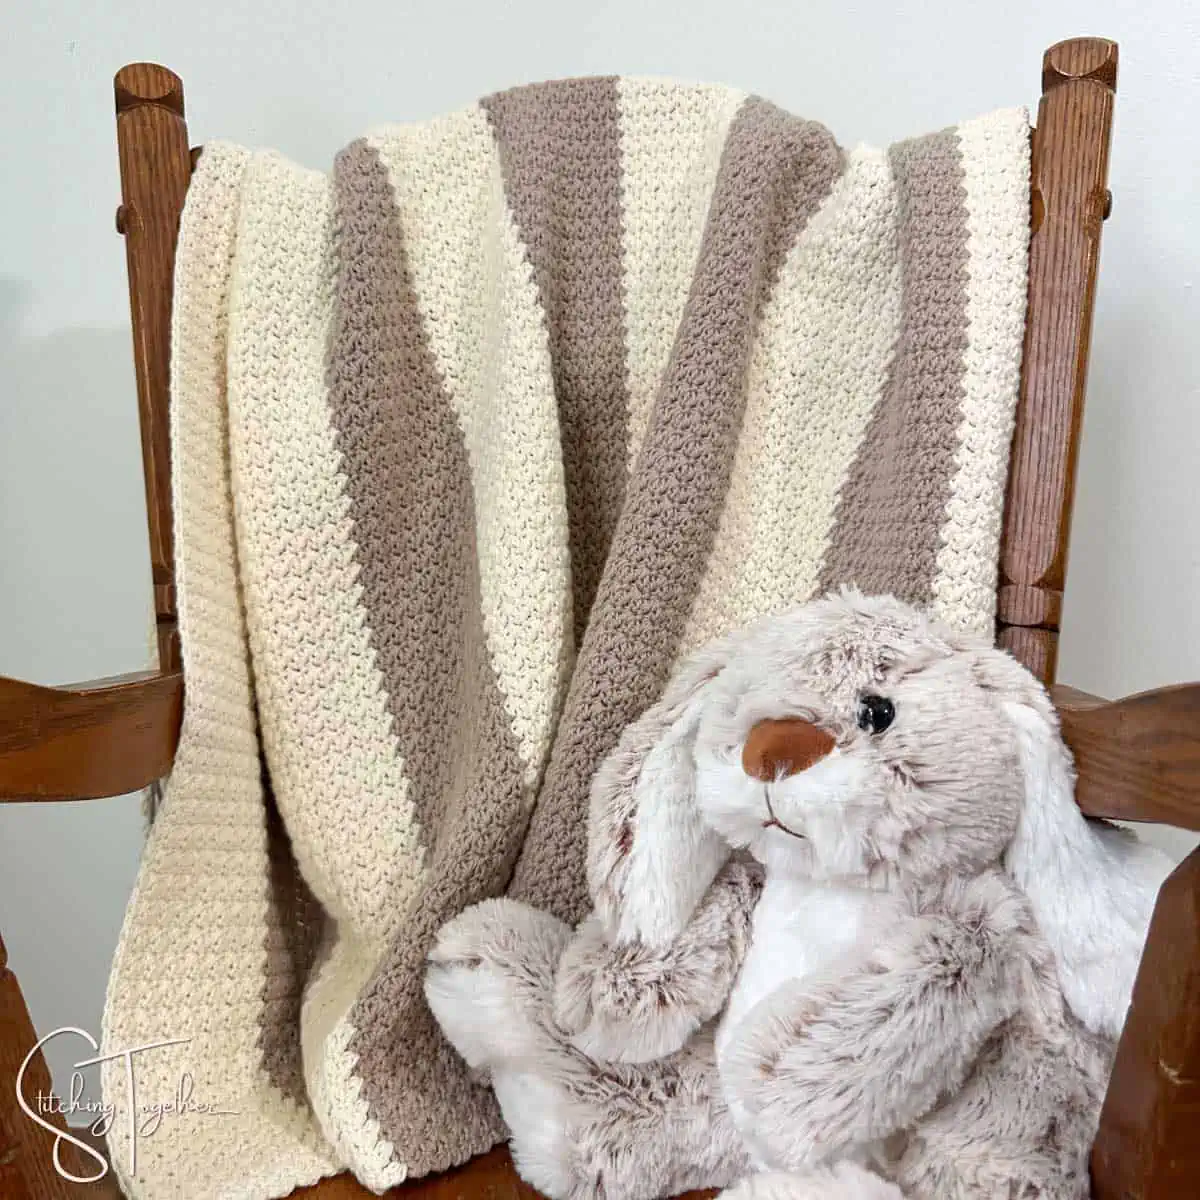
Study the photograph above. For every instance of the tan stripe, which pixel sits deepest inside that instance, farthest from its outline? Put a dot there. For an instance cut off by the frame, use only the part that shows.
(818, 369)
(890, 512)
(291, 945)
(559, 149)
(408, 480)
(344, 967)
(775, 171)
(483, 322)
(409, 490)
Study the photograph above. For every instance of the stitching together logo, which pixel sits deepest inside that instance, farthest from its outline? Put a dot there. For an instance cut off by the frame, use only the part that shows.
(144, 1120)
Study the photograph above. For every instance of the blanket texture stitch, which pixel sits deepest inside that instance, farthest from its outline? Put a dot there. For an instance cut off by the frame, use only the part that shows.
(474, 437)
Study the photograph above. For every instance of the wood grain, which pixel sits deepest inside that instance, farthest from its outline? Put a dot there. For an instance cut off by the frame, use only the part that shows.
(1036, 648)
(102, 739)
(1065, 696)
(1017, 604)
(1069, 200)
(1148, 1144)
(1138, 759)
(156, 167)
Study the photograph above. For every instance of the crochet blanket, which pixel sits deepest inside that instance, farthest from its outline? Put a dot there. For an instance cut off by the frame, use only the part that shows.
(475, 436)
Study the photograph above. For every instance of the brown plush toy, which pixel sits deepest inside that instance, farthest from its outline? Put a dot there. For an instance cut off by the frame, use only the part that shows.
(852, 938)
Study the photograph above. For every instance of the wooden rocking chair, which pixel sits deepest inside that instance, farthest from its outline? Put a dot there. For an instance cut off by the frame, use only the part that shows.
(1138, 759)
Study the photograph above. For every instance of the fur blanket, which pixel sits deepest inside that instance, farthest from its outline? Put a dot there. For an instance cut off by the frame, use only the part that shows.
(474, 437)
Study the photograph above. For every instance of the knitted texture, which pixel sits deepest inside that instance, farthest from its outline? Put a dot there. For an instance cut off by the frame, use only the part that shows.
(473, 438)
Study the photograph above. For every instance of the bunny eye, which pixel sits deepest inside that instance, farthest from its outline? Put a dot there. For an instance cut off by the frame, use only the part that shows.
(875, 713)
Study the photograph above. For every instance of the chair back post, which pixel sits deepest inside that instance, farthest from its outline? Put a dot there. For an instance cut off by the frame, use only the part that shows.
(42, 731)
(1069, 202)
(156, 167)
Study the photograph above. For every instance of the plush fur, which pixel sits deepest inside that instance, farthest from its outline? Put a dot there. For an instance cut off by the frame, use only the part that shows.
(918, 1001)
(581, 1128)
(844, 1181)
(629, 1002)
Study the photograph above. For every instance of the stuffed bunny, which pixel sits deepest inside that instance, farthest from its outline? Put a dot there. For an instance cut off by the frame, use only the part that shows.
(851, 938)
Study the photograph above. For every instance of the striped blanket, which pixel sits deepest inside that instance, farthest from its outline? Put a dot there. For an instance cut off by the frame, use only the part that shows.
(474, 436)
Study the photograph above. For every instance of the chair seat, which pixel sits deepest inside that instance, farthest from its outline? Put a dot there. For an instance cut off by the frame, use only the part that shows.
(491, 1176)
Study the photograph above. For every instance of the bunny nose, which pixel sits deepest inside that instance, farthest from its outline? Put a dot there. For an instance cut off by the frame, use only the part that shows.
(784, 746)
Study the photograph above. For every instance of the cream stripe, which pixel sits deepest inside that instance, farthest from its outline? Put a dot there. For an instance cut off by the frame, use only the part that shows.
(335, 765)
(484, 325)
(995, 162)
(192, 958)
(672, 139)
(335, 762)
(817, 370)
(335, 1089)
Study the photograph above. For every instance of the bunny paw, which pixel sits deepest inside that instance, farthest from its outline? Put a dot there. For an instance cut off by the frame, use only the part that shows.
(631, 1002)
(490, 978)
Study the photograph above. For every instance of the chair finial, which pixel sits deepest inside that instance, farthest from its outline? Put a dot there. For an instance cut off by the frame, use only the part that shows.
(1080, 58)
(148, 83)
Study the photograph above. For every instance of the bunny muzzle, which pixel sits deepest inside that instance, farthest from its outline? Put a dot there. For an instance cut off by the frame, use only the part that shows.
(781, 746)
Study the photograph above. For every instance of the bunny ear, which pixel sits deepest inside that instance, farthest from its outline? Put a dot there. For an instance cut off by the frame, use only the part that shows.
(1092, 885)
(651, 855)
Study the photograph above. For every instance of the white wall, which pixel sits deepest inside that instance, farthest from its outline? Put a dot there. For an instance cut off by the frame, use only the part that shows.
(73, 600)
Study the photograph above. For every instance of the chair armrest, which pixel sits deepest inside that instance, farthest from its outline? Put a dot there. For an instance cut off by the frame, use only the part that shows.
(102, 738)
(1138, 759)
